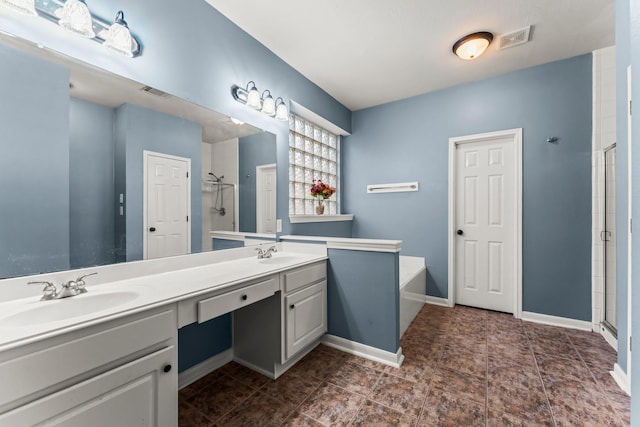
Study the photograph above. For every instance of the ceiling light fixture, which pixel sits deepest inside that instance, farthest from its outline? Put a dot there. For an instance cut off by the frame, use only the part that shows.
(26, 7)
(250, 96)
(472, 45)
(77, 18)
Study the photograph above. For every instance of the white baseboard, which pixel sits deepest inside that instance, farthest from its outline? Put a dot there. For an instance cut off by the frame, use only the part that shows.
(608, 336)
(621, 378)
(443, 302)
(563, 322)
(362, 350)
(202, 369)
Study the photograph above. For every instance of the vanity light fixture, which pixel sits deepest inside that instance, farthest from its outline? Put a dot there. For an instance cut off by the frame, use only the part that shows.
(119, 36)
(26, 7)
(74, 16)
(250, 96)
(472, 45)
(77, 18)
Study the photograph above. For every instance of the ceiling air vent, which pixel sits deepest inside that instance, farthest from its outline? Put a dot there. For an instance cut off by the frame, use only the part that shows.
(514, 38)
(154, 91)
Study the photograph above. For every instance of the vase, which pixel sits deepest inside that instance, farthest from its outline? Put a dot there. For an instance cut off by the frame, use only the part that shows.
(320, 207)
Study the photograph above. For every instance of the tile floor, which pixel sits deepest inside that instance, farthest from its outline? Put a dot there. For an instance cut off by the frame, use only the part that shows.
(463, 367)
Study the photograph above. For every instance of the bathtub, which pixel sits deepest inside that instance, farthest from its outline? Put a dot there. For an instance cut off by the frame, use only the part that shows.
(413, 288)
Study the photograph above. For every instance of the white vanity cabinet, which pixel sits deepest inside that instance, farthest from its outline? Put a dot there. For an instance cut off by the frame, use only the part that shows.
(271, 335)
(118, 373)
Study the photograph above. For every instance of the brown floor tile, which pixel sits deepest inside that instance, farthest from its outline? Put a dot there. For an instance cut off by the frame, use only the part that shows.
(561, 388)
(599, 359)
(355, 378)
(465, 362)
(374, 414)
(289, 388)
(414, 369)
(543, 332)
(568, 412)
(220, 396)
(583, 339)
(300, 420)
(260, 410)
(462, 385)
(515, 376)
(332, 405)
(444, 409)
(557, 348)
(511, 353)
(402, 395)
(245, 375)
(188, 416)
(552, 367)
(316, 365)
(361, 361)
(520, 404)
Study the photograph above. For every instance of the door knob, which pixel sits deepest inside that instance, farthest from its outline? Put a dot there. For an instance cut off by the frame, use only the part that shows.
(152, 229)
(459, 232)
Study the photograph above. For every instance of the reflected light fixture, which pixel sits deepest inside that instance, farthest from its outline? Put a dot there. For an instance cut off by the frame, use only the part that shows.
(26, 7)
(77, 18)
(250, 96)
(236, 121)
(119, 37)
(472, 45)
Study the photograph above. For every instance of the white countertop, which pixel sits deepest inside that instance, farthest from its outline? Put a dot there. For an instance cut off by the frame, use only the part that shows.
(153, 290)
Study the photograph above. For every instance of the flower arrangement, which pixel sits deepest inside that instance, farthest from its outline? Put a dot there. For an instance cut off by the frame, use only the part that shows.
(320, 189)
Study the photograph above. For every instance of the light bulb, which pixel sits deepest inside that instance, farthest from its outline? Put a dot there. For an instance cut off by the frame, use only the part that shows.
(253, 98)
(268, 104)
(119, 37)
(77, 18)
(26, 7)
(282, 113)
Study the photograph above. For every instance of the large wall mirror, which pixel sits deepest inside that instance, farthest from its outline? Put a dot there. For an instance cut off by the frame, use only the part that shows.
(92, 168)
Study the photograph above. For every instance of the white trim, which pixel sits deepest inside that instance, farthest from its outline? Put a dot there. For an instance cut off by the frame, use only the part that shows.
(301, 219)
(608, 336)
(305, 113)
(372, 245)
(443, 302)
(628, 225)
(362, 350)
(203, 369)
(240, 235)
(399, 187)
(517, 140)
(145, 159)
(260, 170)
(621, 378)
(563, 322)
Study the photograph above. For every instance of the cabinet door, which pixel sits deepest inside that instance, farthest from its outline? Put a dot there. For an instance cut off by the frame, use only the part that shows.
(139, 393)
(306, 316)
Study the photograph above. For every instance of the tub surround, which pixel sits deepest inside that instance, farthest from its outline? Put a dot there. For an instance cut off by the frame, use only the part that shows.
(156, 283)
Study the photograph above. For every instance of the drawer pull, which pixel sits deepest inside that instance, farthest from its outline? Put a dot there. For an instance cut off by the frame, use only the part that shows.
(166, 368)
(243, 297)
(292, 306)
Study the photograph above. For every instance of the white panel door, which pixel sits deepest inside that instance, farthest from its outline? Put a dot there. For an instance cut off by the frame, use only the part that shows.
(485, 225)
(266, 199)
(167, 206)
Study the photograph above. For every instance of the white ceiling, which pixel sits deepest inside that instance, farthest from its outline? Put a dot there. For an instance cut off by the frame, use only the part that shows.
(369, 52)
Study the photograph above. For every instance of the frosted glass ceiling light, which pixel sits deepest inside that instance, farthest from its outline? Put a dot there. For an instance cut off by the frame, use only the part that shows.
(77, 18)
(282, 113)
(26, 7)
(119, 37)
(473, 45)
(268, 104)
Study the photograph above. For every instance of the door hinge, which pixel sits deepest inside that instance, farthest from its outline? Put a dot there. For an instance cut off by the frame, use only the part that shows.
(187, 174)
(187, 218)
(630, 344)
(630, 107)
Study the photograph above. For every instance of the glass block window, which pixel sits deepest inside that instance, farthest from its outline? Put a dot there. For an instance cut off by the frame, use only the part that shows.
(313, 154)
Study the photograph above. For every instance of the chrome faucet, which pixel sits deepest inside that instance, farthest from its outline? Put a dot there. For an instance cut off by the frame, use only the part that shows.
(266, 254)
(68, 289)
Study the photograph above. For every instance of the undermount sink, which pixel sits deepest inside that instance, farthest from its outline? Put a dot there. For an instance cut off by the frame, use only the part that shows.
(67, 308)
(279, 259)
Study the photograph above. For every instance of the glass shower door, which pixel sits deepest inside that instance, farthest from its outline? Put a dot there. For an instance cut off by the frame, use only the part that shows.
(608, 235)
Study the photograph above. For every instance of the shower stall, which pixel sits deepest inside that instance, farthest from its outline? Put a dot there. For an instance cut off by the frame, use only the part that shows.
(220, 203)
(608, 237)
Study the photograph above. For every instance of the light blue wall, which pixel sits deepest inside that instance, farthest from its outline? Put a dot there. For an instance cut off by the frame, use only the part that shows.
(199, 60)
(149, 130)
(91, 185)
(408, 141)
(222, 244)
(363, 297)
(254, 150)
(34, 165)
(623, 60)
(199, 341)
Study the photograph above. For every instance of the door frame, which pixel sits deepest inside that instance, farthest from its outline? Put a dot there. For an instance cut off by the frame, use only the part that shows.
(145, 159)
(516, 135)
(260, 169)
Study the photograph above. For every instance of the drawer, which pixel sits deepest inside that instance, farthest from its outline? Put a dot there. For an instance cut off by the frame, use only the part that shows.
(304, 276)
(43, 368)
(216, 306)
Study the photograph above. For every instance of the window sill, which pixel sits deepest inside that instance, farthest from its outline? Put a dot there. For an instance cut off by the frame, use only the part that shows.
(300, 219)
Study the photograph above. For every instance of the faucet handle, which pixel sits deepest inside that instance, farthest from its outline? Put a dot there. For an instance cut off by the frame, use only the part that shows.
(48, 292)
(80, 283)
